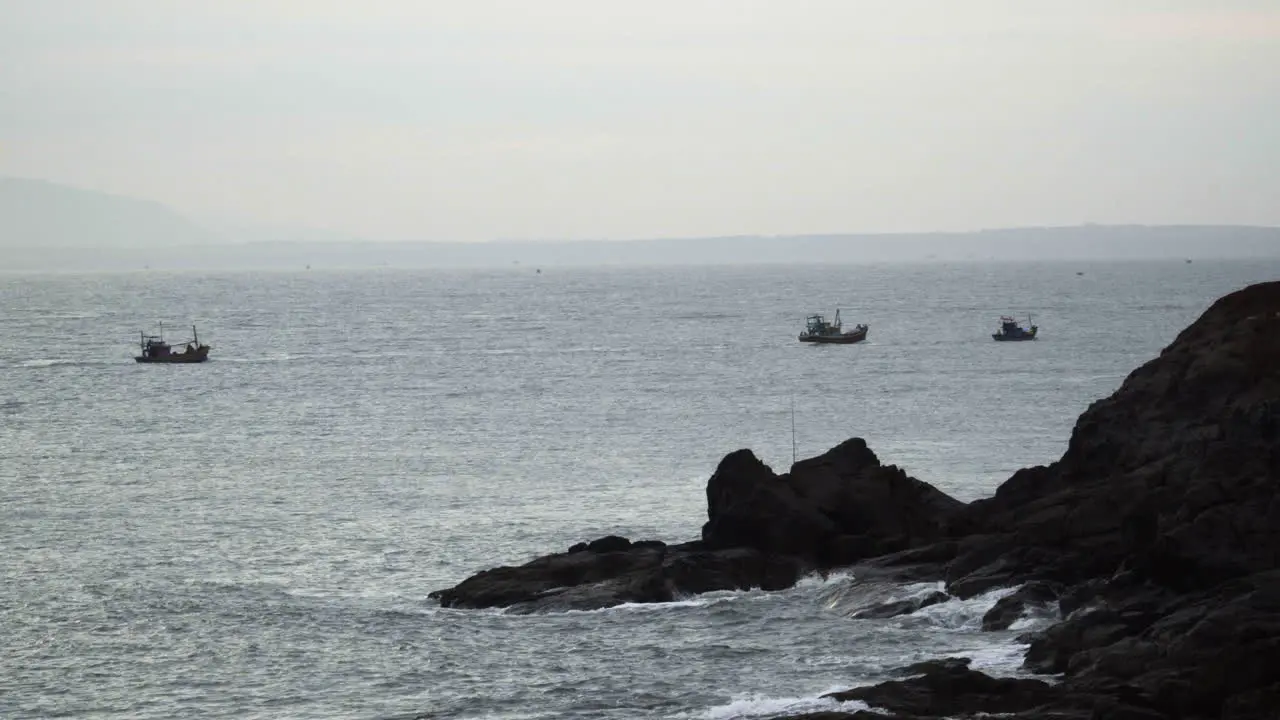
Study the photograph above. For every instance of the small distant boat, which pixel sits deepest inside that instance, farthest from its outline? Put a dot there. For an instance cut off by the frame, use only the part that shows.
(818, 330)
(1010, 330)
(156, 350)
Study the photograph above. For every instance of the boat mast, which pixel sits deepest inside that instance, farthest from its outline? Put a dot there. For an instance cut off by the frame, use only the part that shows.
(194, 336)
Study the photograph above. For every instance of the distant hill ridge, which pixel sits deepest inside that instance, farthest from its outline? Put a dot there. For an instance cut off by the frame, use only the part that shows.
(45, 226)
(37, 213)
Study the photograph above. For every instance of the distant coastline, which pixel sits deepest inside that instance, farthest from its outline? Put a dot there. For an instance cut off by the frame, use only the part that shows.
(1078, 244)
(46, 227)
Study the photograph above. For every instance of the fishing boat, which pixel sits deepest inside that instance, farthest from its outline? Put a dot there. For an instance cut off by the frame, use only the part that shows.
(156, 350)
(1010, 330)
(818, 330)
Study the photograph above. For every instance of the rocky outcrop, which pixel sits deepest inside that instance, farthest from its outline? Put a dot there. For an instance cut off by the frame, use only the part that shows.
(763, 531)
(1173, 476)
(838, 508)
(951, 689)
(948, 689)
(619, 571)
(1157, 536)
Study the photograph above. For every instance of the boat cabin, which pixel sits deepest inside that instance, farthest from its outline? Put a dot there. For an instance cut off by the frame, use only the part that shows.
(154, 349)
(154, 346)
(818, 325)
(1011, 330)
(818, 330)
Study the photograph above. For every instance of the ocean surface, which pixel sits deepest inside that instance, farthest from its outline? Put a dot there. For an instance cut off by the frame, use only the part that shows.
(256, 537)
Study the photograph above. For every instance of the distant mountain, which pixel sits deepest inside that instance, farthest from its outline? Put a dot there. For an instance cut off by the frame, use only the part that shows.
(40, 214)
(49, 227)
(1086, 243)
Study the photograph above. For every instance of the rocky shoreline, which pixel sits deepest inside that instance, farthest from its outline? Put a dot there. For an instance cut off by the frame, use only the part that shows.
(1156, 535)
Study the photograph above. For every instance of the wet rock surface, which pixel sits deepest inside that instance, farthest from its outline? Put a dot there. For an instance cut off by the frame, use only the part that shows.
(901, 607)
(1012, 608)
(640, 573)
(952, 689)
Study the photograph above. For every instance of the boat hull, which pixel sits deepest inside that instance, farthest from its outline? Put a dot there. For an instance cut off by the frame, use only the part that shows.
(183, 358)
(1010, 338)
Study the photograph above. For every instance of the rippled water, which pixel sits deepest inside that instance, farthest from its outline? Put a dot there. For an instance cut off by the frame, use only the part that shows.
(255, 537)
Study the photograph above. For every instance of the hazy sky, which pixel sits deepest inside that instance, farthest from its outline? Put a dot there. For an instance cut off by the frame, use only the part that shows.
(481, 119)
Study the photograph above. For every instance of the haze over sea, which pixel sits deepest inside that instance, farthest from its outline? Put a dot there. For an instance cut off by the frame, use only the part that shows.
(255, 537)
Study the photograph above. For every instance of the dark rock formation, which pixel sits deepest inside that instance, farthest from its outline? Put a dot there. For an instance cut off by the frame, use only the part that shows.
(505, 586)
(1011, 608)
(611, 543)
(838, 508)
(930, 666)
(764, 531)
(1173, 476)
(1157, 534)
(953, 689)
(586, 579)
(901, 607)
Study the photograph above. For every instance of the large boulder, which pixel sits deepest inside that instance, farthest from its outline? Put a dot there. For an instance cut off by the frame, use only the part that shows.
(749, 506)
(837, 508)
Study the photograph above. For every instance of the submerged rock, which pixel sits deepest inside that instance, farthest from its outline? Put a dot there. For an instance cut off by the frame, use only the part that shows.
(901, 607)
(950, 689)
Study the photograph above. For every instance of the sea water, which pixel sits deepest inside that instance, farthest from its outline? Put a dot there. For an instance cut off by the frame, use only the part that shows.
(255, 537)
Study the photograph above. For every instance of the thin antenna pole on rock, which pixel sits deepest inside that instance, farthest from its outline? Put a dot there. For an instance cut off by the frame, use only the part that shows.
(793, 428)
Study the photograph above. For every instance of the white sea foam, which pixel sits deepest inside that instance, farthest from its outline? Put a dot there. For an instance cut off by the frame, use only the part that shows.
(706, 600)
(58, 362)
(656, 607)
(998, 660)
(759, 706)
(838, 578)
(961, 615)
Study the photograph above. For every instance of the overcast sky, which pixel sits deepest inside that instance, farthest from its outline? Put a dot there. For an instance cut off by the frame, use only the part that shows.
(484, 119)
